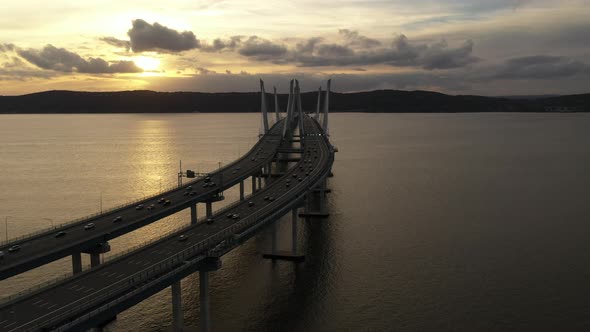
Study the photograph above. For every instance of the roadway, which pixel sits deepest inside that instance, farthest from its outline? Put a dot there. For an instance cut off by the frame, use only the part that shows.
(58, 304)
(46, 247)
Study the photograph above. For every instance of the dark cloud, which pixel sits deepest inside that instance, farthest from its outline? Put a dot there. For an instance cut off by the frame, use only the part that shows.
(60, 59)
(117, 42)
(261, 49)
(156, 37)
(205, 71)
(540, 67)
(219, 44)
(6, 47)
(353, 38)
(401, 53)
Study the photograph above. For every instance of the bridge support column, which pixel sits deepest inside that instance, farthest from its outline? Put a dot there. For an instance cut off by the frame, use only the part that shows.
(77, 262)
(204, 316)
(194, 214)
(294, 220)
(211, 264)
(209, 209)
(292, 255)
(274, 237)
(94, 259)
(241, 190)
(95, 252)
(177, 315)
(314, 205)
(259, 181)
(253, 184)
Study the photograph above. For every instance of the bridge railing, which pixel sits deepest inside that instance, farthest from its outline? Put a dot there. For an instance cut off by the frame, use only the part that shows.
(90, 217)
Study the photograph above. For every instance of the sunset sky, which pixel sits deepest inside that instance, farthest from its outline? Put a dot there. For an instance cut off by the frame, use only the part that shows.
(488, 47)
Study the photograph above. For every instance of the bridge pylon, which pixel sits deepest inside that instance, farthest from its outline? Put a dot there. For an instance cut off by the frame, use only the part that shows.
(263, 108)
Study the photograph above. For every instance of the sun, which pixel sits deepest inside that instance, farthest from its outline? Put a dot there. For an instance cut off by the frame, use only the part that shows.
(147, 63)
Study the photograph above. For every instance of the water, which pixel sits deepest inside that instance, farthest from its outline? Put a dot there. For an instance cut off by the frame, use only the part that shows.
(440, 222)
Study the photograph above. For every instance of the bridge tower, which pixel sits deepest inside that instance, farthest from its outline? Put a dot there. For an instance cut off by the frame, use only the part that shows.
(276, 104)
(317, 110)
(326, 108)
(263, 108)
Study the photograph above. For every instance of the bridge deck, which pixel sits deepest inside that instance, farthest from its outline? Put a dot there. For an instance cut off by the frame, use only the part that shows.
(45, 247)
(60, 303)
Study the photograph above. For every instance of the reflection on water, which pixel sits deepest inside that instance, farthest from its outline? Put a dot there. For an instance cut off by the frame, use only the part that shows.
(438, 221)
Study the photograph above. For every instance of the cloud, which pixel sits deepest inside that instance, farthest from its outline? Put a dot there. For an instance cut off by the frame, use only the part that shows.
(5, 47)
(205, 71)
(261, 49)
(156, 37)
(539, 67)
(355, 39)
(62, 60)
(219, 45)
(401, 53)
(117, 42)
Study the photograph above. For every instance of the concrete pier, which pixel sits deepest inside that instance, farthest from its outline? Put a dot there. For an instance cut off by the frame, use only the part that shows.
(77, 262)
(177, 316)
(241, 190)
(209, 209)
(194, 214)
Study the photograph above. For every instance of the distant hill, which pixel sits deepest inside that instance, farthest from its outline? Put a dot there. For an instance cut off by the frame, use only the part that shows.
(380, 101)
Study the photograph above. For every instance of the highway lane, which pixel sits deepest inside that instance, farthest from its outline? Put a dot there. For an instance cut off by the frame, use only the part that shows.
(113, 276)
(44, 248)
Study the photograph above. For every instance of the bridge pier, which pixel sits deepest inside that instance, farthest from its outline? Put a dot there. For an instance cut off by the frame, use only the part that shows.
(241, 190)
(177, 314)
(292, 255)
(209, 206)
(95, 252)
(77, 263)
(212, 264)
(316, 197)
(260, 181)
(253, 184)
(194, 214)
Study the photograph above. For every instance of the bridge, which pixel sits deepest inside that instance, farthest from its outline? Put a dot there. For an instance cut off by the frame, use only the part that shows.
(90, 298)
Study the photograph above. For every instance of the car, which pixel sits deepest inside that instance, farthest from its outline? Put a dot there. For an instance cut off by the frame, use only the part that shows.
(207, 179)
(167, 202)
(89, 226)
(193, 193)
(14, 248)
(300, 179)
(287, 185)
(229, 215)
(271, 198)
(60, 234)
(117, 219)
(205, 185)
(186, 193)
(189, 188)
(238, 168)
(161, 200)
(294, 175)
(235, 216)
(266, 198)
(139, 207)
(210, 221)
(250, 203)
(2, 254)
(212, 184)
(182, 238)
(151, 207)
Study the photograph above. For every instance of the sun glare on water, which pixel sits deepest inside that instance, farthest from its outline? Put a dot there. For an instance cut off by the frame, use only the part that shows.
(147, 63)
